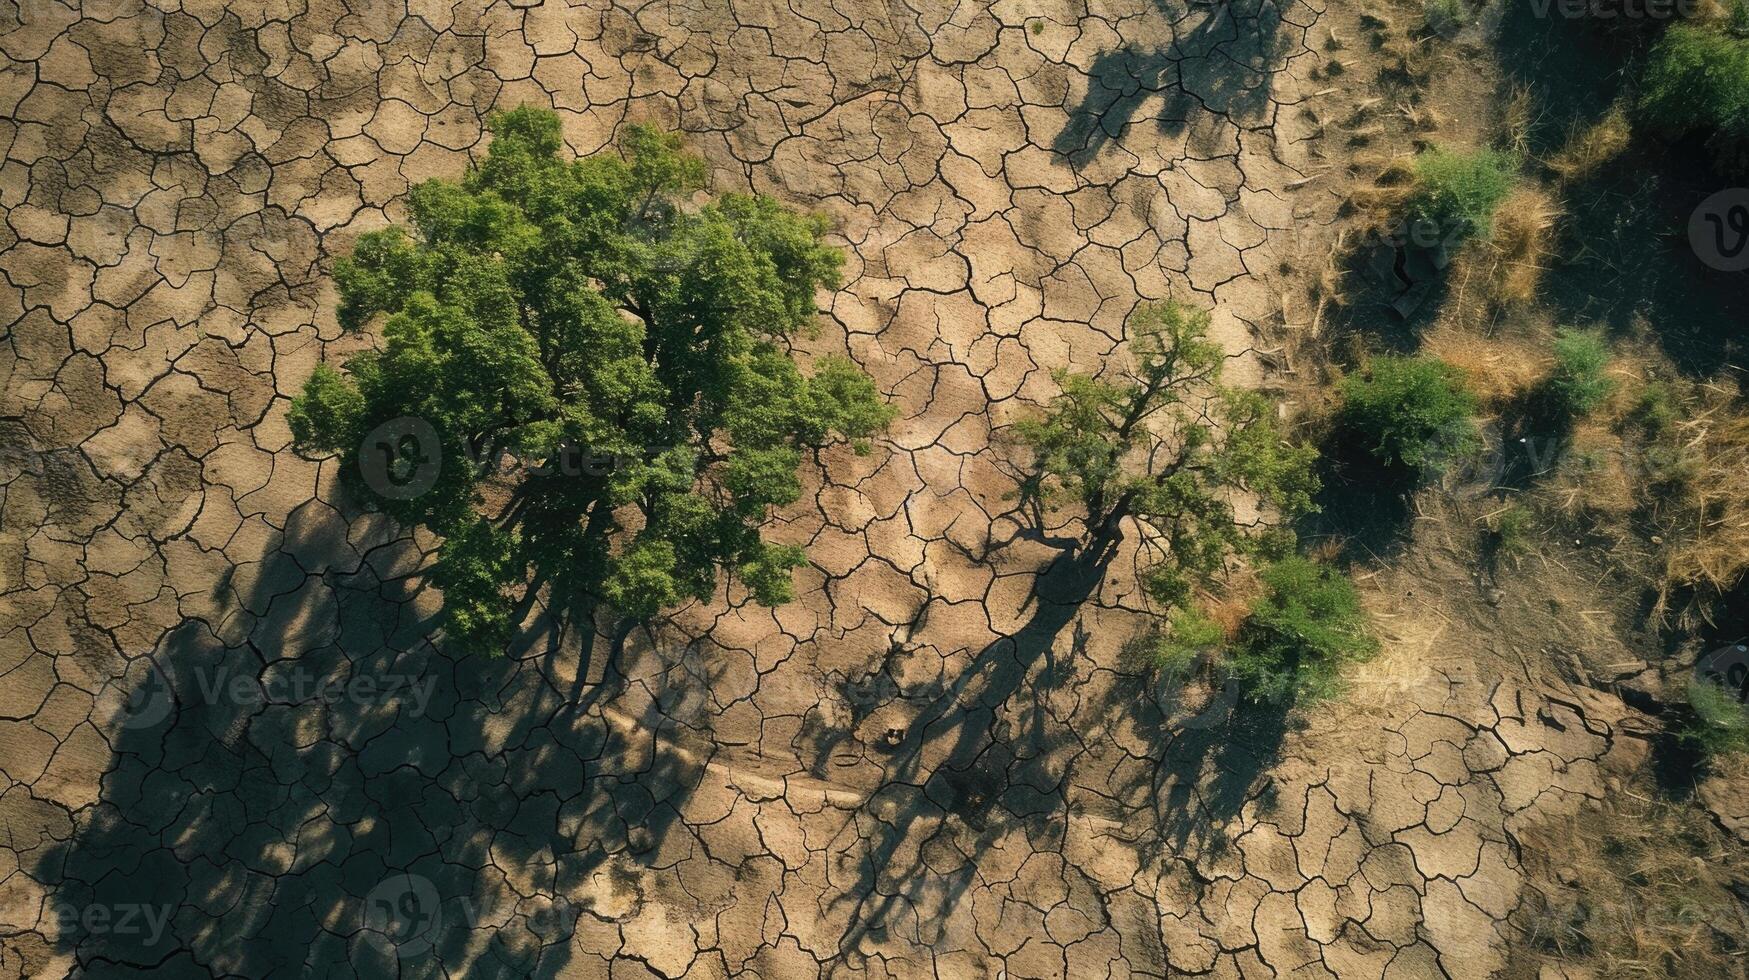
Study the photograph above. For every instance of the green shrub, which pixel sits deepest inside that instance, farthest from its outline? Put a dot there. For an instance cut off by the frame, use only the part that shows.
(1697, 81)
(1445, 16)
(1459, 192)
(1719, 726)
(1412, 413)
(1307, 626)
(1511, 529)
(1173, 649)
(1655, 409)
(1578, 384)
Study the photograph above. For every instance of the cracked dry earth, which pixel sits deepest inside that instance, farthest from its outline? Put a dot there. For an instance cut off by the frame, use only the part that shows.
(1008, 181)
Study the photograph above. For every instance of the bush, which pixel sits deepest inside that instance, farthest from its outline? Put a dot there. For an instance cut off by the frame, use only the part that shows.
(1578, 385)
(1174, 648)
(1719, 726)
(1445, 16)
(1511, 530)
(1411, 413)
(1300, 635)
(1655, 409)
(1459, 192)
(1697, 81)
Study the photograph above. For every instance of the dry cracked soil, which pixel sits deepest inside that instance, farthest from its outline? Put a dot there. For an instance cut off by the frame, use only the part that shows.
(228, 748)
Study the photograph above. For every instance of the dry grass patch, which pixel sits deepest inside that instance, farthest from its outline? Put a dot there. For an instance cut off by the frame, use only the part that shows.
(1522, 232)
(1589, 148)
(1643, 892)
(1697, 481)
(1497, 370)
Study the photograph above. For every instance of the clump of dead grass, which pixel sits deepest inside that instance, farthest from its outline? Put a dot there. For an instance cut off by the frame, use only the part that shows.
(1697, 482)
(1599, 473)
(1497, 370)
(1588, 149)
(1522, 232)
(1518, 117)
(1229, 608)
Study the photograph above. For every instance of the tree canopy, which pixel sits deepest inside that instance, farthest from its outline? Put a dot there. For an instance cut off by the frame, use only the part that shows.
(1157, 439)
(547, 310)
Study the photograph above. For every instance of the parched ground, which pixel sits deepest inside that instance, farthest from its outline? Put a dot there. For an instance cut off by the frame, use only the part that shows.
(228, 749)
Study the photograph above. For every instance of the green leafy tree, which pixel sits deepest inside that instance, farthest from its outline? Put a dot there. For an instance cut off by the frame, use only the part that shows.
(605, 367)
(1307, 626)
(1411, 413)
(1155, 438)
(1578, 385)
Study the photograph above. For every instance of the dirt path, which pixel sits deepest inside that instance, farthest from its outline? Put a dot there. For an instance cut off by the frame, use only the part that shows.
(1009, 181)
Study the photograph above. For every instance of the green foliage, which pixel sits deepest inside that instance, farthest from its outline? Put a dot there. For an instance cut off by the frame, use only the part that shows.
(1511, 529)
(1156, 438)
(1697, 81)
(1459, 192)
(1411, 413)
(1719, 726)
(1578, 384)
(1301, 634)
(544, 305)
(1174, 645)
(1445, 16)
(1655, 410)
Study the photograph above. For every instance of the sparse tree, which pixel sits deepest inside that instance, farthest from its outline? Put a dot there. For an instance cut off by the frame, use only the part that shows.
(1155, 438)
(629, 346)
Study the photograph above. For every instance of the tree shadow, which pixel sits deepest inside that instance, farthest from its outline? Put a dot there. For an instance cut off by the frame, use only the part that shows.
(995, 758)
(1222, 64)
(312, 788)
(1623, 258)
(1362, 505)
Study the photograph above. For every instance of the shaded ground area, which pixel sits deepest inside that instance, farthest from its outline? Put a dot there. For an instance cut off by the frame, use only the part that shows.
(1625, 259)
(1008, 183)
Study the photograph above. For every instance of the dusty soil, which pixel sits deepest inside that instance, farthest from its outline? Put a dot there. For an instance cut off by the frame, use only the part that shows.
(935, 762)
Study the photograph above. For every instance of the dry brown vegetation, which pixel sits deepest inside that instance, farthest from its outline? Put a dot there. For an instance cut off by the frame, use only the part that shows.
(1588, 148)
(1498, 369)
(1642, 890)
(1696, 481)
(1521, 245)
